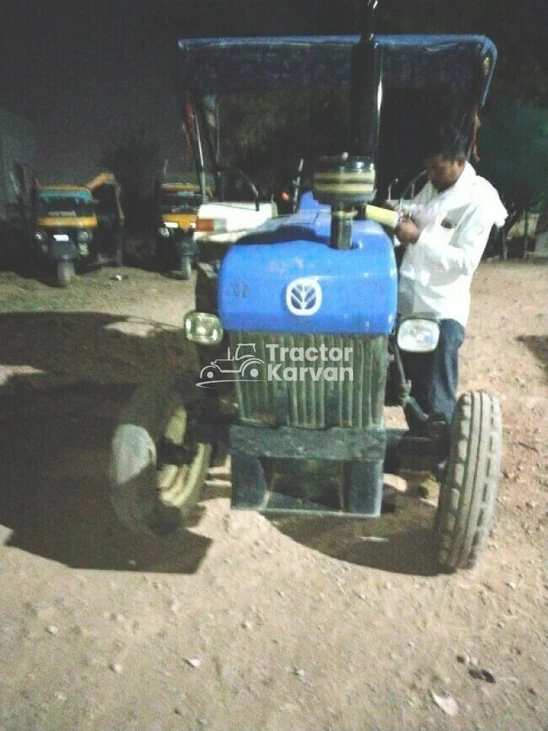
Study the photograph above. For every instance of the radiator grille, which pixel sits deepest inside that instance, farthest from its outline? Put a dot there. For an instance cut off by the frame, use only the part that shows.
(350, 393)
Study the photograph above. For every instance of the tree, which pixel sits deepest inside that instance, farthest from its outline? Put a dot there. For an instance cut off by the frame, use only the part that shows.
(514, 155)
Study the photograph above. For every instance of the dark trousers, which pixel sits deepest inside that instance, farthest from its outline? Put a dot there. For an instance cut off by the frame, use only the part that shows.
(435, 376)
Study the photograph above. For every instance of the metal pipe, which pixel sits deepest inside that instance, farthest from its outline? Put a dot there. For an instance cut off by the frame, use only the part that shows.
(367, 87)
(341, 227)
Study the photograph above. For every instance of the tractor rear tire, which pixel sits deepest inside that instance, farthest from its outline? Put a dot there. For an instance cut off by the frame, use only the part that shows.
(469, 488)
(150, 496)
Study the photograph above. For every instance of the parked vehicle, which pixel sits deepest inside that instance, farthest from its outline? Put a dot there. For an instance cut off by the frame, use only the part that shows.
(177, 209)
(220, 223)
(64, 237)
(314, 296)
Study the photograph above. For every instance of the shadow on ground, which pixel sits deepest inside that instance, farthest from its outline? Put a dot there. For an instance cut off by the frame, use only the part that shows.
(538, 345)
(400, 542)
(55, 501)
(87, 347)
(64, 379)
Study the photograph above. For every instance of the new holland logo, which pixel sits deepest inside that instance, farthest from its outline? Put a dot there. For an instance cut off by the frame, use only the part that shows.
(303, 297)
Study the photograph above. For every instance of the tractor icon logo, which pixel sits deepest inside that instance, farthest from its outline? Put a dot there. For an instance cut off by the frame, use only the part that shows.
(303, 297)
(244, 365)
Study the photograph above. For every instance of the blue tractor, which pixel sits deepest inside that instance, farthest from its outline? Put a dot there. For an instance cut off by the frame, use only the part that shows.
(313, 294)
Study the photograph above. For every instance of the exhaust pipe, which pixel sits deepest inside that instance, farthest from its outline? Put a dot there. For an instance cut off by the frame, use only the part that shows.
(347, 182)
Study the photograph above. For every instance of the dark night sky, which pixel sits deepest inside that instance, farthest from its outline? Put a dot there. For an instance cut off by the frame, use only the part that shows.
(85, 71)
(80, 71)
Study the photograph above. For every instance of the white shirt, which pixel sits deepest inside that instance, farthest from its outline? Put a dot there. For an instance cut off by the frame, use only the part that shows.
(436, 271)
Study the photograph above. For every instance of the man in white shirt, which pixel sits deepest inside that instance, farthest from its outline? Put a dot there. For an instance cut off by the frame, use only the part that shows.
(444, 237)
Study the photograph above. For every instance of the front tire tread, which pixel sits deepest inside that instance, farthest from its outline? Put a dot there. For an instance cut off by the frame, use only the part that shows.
(468, 495)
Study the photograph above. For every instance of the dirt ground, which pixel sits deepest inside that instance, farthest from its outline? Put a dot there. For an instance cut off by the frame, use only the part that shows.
(243, 622)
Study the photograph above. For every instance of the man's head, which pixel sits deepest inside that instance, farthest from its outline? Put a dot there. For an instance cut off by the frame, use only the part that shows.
(445, 157)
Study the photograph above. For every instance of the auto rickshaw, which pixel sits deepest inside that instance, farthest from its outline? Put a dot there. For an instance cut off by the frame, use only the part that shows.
(64, 235)
(177, 207)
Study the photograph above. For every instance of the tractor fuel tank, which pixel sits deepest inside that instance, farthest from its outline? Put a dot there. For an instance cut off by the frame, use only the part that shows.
(284, 277)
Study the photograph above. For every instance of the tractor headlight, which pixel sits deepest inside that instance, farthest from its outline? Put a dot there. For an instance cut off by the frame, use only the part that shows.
(203, 328)
(418, 334)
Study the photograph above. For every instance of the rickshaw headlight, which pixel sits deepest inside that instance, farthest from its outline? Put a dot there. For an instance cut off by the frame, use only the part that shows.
(203, 328)
(418, 334)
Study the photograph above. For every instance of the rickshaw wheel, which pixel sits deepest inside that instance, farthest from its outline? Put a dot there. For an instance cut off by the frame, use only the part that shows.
(469, 489)
(151, 491)
(65, 272)
(186, 267)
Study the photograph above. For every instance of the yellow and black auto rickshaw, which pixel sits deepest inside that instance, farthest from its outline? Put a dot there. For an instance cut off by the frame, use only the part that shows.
(64, 229)
(177, 208)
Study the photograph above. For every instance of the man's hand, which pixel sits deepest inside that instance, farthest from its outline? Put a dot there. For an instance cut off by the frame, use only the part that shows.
(407, 231)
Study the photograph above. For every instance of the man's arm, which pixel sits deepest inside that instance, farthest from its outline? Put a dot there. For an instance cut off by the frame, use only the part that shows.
(408, 231)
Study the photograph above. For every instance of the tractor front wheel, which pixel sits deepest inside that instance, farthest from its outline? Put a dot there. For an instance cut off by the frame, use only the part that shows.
(157, 467)
(469, 488)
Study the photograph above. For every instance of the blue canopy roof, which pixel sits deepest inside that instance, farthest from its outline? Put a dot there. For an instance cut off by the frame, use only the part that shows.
(464, 63)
